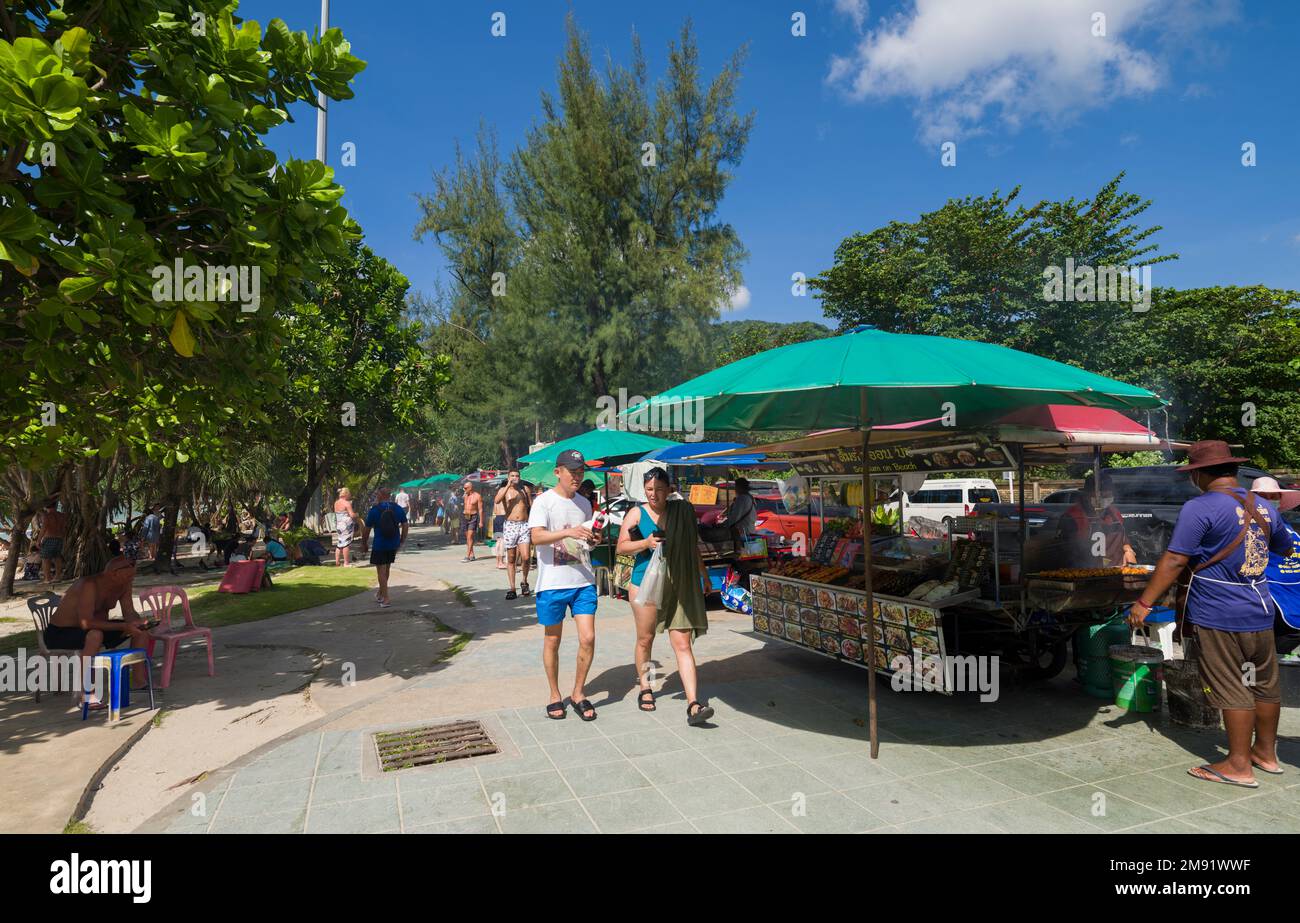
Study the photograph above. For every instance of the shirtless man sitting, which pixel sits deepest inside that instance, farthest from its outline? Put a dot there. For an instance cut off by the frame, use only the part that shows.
(81, 620)
(517, 503)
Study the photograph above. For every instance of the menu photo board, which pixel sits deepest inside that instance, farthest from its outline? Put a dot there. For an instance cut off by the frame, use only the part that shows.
(971, 453)
(835, 622)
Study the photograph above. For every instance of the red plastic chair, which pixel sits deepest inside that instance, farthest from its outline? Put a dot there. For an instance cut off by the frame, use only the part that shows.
(160, 600)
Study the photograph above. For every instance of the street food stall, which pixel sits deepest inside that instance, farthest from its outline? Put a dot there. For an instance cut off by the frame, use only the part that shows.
(868, 378)
(961, 593)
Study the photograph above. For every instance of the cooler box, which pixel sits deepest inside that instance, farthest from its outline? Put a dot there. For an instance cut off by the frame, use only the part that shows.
(718, 577)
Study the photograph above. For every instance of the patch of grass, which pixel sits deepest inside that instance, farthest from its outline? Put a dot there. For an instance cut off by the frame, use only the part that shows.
(461, 594)
(9, 644)
(78, 826)
(457, 645)
(158, 718)
(11, 619)
(300, 588)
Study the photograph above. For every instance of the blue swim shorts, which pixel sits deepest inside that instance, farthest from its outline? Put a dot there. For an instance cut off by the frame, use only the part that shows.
(553, 604)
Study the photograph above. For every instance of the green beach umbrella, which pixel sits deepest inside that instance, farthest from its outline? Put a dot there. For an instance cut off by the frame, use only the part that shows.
(604, 444)
(820, 384)
(415, 482)
(543, 473)
(439, 479)
(867, 378)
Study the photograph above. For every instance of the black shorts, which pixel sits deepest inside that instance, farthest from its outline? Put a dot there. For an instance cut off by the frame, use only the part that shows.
(471, 524)
(385, 556)
(60, 638)
(498, 523)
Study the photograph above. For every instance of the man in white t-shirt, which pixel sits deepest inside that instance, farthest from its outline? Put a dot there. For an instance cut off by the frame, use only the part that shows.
(565, 581)
(403, 499)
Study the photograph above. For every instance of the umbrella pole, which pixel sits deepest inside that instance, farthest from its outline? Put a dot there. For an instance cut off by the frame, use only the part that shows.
(866, 569)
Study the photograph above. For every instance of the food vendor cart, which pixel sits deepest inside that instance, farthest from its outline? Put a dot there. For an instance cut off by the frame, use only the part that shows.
(868, 378)
(962, 594)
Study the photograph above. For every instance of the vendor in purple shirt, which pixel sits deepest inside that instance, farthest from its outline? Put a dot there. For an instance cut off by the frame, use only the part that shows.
(1226, 535)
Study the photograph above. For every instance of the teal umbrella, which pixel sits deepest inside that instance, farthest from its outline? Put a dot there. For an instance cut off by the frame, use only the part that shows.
(439, 479)
(821, 384)
(604, 444)
(414, 482)
(544, 474)
(867, 378)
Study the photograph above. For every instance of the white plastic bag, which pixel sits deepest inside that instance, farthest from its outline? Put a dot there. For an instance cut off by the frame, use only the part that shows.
(651, 590)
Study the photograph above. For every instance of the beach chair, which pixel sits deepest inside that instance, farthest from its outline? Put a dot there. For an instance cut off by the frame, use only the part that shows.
(160, 600)
(41, 608)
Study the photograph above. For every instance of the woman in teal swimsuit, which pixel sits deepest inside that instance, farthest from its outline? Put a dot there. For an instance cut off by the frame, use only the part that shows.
(682, 611)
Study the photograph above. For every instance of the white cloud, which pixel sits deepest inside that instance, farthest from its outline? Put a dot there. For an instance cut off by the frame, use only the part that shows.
(739, 299)
(967, 63)
(856, 10)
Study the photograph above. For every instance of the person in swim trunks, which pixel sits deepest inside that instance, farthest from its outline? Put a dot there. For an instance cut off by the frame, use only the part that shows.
(54, 526)
(517, 502)
(473, 507)
(81, 621)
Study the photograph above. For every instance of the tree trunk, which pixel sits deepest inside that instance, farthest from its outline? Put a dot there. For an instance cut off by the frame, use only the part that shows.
(17, 548)
(315, 474)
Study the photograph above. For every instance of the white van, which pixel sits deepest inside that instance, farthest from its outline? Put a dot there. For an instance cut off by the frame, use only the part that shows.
(942, 499)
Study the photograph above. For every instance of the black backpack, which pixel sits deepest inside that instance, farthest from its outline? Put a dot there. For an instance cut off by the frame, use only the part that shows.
(388, 524)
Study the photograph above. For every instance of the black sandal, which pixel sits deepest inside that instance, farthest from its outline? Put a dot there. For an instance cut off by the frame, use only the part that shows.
(642, 701)
(550, 711)
(511, 595)
(703, 714)
(581, 708)
(524, 589)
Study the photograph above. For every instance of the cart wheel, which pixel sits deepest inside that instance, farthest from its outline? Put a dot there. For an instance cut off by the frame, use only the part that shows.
(1039, 663)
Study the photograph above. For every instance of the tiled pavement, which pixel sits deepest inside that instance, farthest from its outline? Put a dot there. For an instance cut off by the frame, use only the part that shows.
(784, 755)
(787, 752)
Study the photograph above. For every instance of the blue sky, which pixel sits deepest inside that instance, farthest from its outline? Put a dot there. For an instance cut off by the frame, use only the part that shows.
(849, 119)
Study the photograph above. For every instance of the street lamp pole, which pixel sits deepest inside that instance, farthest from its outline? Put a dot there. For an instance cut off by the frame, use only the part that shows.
(321, 113)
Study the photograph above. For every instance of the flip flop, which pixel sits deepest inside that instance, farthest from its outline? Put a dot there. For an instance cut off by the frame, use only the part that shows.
(550, 711)
(581, 709)
(1220, 777)
(1262, 768)
(642, 701)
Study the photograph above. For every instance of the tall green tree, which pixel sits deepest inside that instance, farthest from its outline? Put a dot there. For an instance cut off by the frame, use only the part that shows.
(604, 229)
(974, 269)
(737, 339)
(358, 379)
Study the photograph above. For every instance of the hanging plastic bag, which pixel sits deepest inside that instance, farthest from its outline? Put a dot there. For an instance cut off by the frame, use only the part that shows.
(651, 590)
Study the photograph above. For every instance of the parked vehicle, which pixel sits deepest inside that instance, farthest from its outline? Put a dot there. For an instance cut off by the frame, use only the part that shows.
(943, 500)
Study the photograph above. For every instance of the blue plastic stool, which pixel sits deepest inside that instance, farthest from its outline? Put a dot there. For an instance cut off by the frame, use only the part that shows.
(119, 693)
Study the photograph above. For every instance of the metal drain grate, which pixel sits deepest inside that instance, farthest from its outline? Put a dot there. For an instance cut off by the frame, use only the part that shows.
(427, 746)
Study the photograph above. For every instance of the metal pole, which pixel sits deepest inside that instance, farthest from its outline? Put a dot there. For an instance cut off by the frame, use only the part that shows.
(866, 569)
(321, 113)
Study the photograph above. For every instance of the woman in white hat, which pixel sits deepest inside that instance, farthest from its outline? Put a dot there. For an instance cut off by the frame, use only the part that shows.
(1283, 573)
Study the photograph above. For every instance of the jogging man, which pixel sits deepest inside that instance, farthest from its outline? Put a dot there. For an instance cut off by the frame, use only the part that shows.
(387, 523)
(473, 509)
(566, 582)
(517, 502)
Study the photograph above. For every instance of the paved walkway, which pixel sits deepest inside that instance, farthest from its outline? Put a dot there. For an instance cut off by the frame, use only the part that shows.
(787, 751)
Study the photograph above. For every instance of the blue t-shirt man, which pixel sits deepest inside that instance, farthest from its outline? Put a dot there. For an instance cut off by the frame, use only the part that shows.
(151, 527)
(1232, 594)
